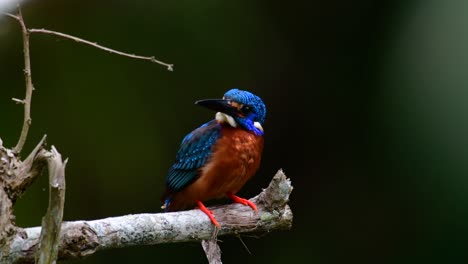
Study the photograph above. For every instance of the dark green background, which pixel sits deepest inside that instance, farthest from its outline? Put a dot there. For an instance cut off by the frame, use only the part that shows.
(367, 114)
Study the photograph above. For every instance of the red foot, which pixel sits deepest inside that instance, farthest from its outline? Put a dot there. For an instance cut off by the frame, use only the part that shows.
(202, 207)
(243, 201)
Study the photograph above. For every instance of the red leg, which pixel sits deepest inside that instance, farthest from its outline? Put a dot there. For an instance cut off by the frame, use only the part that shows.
(243, 201)
(202, 207)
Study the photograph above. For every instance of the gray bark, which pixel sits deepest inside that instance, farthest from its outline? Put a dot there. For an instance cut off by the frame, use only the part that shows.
(84, 238)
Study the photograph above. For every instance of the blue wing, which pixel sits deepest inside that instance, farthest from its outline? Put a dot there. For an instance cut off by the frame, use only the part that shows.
(194, 152)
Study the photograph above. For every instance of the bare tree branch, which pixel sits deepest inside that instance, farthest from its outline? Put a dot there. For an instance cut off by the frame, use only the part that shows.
(212, 250)
(7, 229)
(26, 172)
(11, 15)
(27, 69)
(84, 238)
(29, 84)
(170, 67)
(52, 221)
(6, 217)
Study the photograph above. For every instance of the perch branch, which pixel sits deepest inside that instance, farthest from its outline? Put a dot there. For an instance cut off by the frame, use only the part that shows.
(84, 238)
(170, 67)
(52, 221)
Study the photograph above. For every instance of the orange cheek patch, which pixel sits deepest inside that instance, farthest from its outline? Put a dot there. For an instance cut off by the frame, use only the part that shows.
(236, 105)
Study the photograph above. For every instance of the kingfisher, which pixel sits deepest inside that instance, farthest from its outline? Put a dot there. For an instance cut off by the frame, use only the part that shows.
(218, 158)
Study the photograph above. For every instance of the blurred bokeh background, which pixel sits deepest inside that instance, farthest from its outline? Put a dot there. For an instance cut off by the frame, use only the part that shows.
(367, 114)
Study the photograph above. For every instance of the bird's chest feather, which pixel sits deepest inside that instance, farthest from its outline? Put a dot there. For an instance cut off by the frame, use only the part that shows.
(235, 159)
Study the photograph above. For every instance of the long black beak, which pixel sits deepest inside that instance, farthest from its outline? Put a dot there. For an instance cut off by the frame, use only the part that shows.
(219, 105)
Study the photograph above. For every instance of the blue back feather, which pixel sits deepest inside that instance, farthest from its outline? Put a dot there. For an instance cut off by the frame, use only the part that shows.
(194, 152)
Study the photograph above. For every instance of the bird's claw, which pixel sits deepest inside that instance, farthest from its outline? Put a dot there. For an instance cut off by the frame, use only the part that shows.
(208, 213)
(243, 201)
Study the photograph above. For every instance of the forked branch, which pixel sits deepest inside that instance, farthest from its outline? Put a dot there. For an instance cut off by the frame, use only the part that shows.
(83, 238)
(27, 68)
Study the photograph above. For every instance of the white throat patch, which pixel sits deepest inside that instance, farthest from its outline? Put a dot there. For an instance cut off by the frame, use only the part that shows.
(222, 118)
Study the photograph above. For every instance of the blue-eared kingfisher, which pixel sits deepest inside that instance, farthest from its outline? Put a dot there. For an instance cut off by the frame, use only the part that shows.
(218, 158)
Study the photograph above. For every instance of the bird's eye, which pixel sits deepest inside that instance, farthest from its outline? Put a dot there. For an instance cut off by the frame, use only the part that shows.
(246, 109)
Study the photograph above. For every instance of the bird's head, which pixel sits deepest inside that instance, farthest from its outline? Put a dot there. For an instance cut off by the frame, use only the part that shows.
(240, 109)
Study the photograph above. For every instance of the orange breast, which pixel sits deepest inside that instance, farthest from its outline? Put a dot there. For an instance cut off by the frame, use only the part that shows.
(235, 159)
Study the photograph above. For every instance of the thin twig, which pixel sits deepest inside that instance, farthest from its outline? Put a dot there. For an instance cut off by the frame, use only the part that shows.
(29, 84)
(170, 67)
(27, 68)
(245, 245)
(11, 15)
(18, 101)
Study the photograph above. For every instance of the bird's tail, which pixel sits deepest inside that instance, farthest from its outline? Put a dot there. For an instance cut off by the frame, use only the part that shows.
(166, 204)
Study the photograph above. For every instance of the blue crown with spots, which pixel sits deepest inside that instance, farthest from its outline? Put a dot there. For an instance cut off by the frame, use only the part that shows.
(250, 99)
